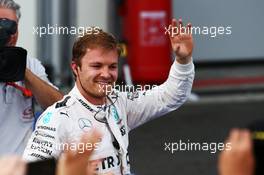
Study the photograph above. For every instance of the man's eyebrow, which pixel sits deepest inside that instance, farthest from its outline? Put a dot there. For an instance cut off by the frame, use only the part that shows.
(99, 63)
(95, 63)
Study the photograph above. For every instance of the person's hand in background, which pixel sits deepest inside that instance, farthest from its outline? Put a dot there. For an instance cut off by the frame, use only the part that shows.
(239, 160)
(12, 165)
(73, 162)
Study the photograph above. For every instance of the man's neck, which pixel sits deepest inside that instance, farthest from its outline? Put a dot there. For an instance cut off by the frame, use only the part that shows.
(93, 100)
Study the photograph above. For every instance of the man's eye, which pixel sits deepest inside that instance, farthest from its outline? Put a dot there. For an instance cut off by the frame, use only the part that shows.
(113, 67)
(96, 66)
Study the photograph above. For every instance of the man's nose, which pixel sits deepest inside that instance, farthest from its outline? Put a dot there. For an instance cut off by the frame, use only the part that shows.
(105, 73)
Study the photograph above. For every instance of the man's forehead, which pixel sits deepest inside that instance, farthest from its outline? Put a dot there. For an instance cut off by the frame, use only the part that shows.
(100, 52)
(8, 13)
(101, 56)
(100, 49)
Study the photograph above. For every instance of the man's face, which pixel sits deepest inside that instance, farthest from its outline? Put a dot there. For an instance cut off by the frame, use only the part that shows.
(10, 14)
(98, 72)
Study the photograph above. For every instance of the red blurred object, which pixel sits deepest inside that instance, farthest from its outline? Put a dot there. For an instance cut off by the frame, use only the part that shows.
(26, 92)
(149, 50)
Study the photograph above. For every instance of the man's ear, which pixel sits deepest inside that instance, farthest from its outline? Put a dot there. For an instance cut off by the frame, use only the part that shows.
(74, 67)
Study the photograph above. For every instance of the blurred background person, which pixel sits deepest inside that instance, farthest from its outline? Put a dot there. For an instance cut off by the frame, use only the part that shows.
(70, 163)
(16, 98)
(240, 159)
(12, 165)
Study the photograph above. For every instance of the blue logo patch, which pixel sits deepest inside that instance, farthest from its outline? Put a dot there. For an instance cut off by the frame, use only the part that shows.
(115, 114)
(46, 118)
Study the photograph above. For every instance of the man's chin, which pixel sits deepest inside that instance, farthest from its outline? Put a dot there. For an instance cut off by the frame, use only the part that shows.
(103, 94)
(105, 89)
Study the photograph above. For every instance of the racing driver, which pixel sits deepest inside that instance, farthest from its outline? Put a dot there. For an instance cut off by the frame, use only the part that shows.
(91, 105)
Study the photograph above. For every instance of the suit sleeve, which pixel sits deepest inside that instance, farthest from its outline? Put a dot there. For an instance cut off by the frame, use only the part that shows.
(46, 141)
(146, 105)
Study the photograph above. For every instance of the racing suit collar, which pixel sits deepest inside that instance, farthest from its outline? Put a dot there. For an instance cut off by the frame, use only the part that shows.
(76, 93)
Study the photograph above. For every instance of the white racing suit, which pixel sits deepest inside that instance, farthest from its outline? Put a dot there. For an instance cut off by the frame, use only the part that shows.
(66, 121)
